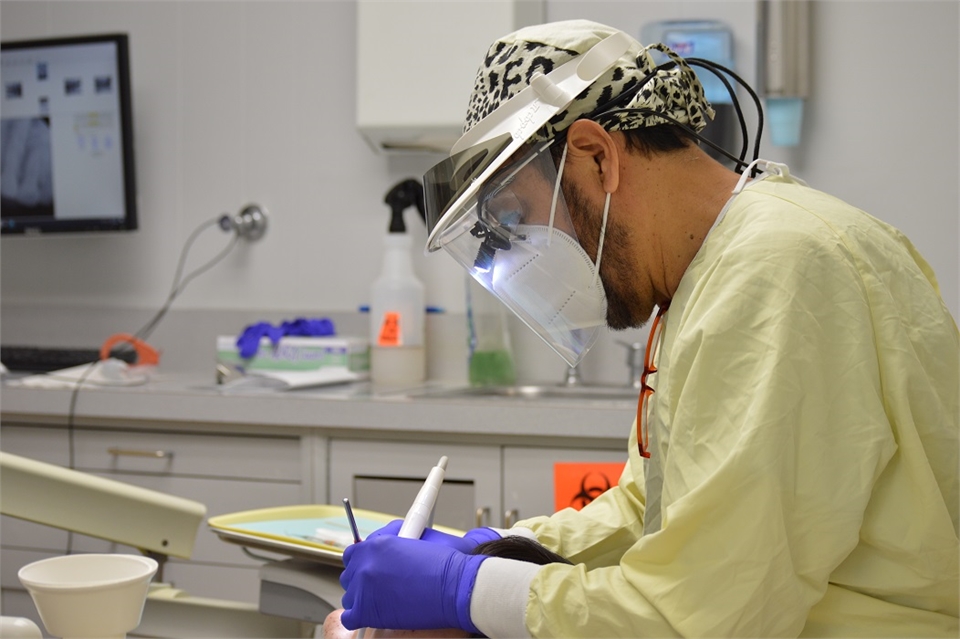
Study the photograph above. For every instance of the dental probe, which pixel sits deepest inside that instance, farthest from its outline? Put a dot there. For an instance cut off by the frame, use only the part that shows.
(420, 514)
(351, 520)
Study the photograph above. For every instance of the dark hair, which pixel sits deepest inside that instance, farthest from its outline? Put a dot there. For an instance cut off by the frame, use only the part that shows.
(521, 549)
(661, 138)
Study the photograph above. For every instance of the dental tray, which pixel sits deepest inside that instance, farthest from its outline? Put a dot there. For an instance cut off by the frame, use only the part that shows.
(317, 533)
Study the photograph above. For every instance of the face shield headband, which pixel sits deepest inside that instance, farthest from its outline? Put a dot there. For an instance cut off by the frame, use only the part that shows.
(519, 242)
(451, 187)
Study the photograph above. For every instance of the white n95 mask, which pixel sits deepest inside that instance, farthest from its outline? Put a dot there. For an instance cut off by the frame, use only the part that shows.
(518, 241)
(553, 287)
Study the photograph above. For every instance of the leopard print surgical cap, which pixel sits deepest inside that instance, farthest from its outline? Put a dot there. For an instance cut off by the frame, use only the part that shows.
(511, 61)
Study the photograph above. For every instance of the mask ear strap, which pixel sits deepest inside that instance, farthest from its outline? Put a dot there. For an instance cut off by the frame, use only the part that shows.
(556, 193)
(603, 233)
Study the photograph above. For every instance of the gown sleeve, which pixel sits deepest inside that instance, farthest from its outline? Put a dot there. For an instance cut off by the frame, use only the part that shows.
(598, 534)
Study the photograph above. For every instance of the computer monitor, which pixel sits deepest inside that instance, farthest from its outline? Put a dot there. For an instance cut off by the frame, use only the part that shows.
(66, 136)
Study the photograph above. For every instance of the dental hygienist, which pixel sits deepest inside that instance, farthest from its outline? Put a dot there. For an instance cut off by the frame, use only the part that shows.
(793, 468)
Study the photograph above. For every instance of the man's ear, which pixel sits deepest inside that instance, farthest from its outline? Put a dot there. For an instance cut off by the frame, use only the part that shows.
(587, 140)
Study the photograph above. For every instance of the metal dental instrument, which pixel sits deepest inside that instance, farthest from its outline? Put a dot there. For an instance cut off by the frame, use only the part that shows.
(351, 520)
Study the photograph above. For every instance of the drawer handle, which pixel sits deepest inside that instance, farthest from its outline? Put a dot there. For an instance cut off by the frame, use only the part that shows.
(511, 517)
(483, 517)
(126, 452)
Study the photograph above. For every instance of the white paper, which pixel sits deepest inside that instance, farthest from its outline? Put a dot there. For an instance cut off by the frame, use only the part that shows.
(102, 373)
(291, 380)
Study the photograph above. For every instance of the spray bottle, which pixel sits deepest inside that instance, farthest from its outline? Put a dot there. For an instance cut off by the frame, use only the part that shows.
(397, 316)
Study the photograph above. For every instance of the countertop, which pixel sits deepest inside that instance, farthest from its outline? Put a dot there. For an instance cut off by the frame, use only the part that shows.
(355, 409)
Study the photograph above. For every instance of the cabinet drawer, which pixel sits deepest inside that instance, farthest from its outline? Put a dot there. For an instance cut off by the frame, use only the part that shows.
(42, 444)
(26, 534)
(232, 583)
(386, 476)
(13, 559)
(48, 445)
(221, 496)
(229, 456)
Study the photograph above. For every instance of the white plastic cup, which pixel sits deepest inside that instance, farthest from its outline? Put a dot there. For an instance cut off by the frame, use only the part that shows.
(89, 595)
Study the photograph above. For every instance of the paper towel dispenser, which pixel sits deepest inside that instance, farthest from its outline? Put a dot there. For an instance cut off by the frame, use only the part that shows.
(416, 63)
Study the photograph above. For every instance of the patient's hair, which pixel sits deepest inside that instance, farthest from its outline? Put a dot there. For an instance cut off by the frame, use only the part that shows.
(521, 549)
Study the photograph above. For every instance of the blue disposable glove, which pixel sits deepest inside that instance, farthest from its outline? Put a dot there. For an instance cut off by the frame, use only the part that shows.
(248, 342)
(407, 584)
(470, 540)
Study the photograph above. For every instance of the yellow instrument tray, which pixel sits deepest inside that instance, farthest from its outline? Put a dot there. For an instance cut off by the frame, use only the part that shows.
(316, 532)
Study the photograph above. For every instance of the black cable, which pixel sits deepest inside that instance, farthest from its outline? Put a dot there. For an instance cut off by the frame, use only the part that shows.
(646, 111)
(744, 135)
(175, 290)
(753, 95)
(606, 110)
(178, 284)
(71, 458)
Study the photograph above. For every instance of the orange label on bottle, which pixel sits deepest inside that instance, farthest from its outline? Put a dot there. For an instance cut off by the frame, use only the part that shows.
(390, 330)
(576, 484)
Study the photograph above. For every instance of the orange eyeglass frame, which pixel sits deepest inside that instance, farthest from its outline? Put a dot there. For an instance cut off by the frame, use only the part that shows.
(643, 434)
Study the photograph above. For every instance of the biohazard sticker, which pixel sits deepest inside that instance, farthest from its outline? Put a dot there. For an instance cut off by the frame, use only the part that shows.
(576, 484)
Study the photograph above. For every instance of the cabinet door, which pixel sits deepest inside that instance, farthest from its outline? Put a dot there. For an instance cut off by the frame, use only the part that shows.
(528, 477)
(386, 476)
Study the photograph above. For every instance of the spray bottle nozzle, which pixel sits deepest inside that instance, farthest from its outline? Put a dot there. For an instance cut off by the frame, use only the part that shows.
(407, 193)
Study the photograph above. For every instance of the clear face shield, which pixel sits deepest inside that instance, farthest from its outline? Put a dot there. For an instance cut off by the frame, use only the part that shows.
(495, 205)
(514, 236)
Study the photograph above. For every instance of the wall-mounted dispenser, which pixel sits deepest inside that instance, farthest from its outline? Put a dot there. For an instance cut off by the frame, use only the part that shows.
(785, 66)
(711, 40)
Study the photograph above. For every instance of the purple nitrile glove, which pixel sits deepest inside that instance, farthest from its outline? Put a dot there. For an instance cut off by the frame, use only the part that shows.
(407, 584)
(470, 540)
(248, 343)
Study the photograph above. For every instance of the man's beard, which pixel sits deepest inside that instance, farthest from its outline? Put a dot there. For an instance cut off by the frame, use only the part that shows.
(625, 308)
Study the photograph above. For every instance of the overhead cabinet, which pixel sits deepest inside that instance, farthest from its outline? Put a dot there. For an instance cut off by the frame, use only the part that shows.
(416, 63)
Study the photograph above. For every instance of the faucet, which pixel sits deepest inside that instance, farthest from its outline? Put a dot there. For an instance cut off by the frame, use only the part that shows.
(634, 362)
(634, 366)
(572, 377)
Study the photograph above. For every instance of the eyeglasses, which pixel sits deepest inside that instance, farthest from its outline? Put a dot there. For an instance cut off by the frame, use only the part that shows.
(653, 341)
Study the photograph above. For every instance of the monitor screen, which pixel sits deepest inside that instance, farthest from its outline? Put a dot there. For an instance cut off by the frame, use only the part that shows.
(66, 136)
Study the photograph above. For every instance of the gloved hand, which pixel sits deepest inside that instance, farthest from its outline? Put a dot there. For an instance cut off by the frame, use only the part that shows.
(407, 584)
(470, 540)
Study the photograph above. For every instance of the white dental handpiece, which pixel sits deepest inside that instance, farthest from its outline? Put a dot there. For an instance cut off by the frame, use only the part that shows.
(420, 514)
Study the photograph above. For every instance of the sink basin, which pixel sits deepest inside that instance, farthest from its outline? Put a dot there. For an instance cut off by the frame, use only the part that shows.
(534, 392)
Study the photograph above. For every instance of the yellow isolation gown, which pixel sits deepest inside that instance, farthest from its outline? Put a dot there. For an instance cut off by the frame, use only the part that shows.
(804, 436)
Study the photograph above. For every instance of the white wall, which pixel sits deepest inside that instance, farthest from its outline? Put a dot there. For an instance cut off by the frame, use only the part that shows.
(239, 101)
(881, 126)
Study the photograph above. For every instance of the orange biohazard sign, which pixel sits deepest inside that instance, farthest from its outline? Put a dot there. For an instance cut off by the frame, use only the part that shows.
(576, 484)
(390, 330)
